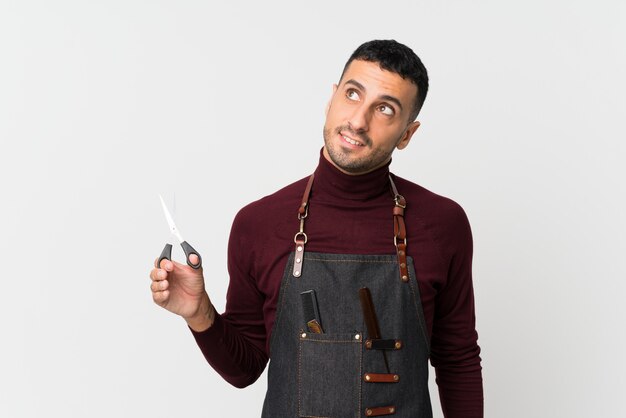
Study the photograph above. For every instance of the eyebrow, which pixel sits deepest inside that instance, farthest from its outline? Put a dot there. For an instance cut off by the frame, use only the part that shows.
(383, 97)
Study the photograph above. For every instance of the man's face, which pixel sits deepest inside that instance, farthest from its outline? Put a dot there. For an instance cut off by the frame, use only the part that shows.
(367, 117)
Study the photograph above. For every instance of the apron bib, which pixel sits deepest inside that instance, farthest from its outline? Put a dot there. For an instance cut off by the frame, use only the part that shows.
(366, 352)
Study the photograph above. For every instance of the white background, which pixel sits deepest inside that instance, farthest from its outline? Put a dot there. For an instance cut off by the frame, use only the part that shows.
(103, 105)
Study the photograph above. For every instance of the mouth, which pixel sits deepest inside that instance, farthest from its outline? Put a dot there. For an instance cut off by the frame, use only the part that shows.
(350, 140)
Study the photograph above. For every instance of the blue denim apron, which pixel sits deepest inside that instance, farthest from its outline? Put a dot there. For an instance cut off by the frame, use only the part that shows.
(342, 371)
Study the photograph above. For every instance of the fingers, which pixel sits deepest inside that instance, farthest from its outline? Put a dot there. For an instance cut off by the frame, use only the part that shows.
(160, 285)
(161, 273)
(161, 297)
(158, 275)
(170, 264)
(165, 264)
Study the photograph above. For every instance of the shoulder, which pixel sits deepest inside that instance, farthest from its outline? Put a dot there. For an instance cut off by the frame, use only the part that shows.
(270, 209)
(428, 202)
(443, 217)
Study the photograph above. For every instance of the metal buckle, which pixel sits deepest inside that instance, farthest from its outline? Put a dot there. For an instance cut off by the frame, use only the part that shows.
(295, 238)
(395, 241)
(306, 213)
(397, 200)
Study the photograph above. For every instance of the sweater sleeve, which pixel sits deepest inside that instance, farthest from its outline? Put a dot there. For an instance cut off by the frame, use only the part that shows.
(235, 344)
(455, 353)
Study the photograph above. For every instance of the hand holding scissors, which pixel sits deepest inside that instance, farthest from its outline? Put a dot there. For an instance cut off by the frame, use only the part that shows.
(179, 289)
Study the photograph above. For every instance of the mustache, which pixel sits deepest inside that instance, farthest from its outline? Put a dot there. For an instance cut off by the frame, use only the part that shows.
(363, 138)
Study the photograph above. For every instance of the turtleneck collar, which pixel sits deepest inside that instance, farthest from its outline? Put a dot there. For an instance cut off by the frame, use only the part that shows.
(329, 180)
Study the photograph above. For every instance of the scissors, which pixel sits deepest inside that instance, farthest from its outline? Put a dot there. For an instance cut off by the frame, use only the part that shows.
(166, 254)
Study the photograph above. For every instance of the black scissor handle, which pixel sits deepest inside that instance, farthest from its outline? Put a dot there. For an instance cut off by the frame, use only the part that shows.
(188, 249)
(166, 254)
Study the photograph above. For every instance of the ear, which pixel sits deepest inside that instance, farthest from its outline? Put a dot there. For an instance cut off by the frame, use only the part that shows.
(331, 99)
(408, 134)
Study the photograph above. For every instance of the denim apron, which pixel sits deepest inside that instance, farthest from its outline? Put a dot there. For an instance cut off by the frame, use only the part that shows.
(341, 370)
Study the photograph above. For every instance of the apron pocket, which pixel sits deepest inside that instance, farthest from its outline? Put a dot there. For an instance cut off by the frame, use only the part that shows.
(329, 375)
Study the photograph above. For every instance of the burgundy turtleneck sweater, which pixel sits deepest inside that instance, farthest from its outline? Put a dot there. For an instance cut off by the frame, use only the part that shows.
(352, 215)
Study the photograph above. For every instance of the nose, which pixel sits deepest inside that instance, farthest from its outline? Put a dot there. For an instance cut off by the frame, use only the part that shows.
(359, 120)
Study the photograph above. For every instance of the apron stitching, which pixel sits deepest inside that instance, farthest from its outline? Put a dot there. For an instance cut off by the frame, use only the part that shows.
(358, 412)
(299, 376)
(351, 260)
(417, 311)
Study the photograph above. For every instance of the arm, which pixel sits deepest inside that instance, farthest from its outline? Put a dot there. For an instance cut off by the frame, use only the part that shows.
(454, 347)
(234, 345)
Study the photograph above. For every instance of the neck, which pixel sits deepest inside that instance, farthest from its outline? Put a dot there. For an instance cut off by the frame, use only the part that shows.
(330, 160)
(331, 180)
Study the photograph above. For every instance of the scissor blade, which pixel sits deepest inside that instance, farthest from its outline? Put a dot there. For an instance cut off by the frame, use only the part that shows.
(170, 221)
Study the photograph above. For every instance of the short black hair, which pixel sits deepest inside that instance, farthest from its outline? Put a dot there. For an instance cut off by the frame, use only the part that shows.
(397, 58)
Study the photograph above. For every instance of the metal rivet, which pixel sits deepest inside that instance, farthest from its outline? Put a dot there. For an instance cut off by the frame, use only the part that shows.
(299, 247)
(396, 377)
(357, 337)
(368, 344)
(392, 410)
(303, 335)
(401, 252)
(398, 345)
(368, 377)
(296, 273)
(298, 260)
(405, 279)
(368, 412)
(403, 265)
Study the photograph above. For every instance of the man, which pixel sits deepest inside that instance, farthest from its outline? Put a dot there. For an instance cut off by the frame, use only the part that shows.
(376, 281)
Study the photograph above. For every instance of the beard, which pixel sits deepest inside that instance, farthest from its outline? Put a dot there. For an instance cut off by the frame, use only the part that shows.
(346, 159)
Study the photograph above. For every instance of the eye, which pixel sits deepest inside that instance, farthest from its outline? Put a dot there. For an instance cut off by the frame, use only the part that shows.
(386, 110)
(352, 94)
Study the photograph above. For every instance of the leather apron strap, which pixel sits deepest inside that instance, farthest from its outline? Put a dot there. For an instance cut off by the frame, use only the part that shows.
(300, 238)
(399, 230)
